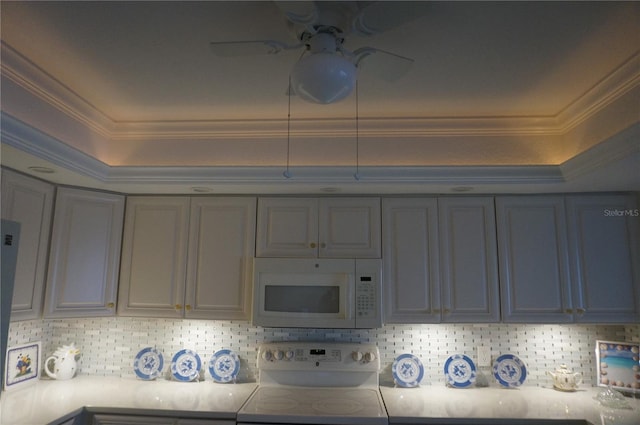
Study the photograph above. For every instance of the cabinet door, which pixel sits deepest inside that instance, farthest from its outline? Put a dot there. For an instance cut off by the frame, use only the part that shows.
(468, 260)
(154, 256)
(104, 419)
(533, 259)
(287, 227)
(410, 260)
(349, 228)
(85, 254)
(221, 248)
(30, 202)
(603, 243)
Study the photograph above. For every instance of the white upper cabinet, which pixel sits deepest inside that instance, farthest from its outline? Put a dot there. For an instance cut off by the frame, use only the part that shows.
(85, 253)
(188, 257)
(440, 260)
(30, 202)
(468, 260)
(533, 259)
(221, 248)
(603, 243)
(410, 258)
(153, 271)
(318, 227)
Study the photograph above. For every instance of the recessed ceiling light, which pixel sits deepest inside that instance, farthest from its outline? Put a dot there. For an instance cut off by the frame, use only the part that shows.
(43, 170)
(462, 189)
(201, 189)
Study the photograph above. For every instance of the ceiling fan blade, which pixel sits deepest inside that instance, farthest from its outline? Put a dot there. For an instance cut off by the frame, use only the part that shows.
(382, 64)
(299, 12)
(250, 48)
(381, 16)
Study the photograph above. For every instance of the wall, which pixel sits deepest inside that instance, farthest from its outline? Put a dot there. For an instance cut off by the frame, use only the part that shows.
(109, 345)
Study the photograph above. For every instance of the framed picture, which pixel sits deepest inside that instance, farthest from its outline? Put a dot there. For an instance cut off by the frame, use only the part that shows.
(23, 365)
(618, 365)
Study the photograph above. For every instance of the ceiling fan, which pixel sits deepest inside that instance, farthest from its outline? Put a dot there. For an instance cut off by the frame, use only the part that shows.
(327, 71)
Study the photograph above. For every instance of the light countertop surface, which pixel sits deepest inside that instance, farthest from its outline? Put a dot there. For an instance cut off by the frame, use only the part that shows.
(48, 400)
(439, 404)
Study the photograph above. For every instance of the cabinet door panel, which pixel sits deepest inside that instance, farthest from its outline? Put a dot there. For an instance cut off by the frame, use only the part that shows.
(534, 272)
(85, 253)
(287, 227)
(221, 247)
(603, 238)
(30, 202)
(154, 256)
(469, 263)
(410, 256)
(349, 228)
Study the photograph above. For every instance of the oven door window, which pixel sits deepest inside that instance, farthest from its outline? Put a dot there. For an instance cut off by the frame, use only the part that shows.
(302, 299)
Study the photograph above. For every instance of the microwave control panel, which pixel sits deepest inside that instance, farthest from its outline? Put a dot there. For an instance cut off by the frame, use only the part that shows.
(367, 293)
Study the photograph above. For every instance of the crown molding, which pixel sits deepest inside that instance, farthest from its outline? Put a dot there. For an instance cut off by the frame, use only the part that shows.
(39, 83)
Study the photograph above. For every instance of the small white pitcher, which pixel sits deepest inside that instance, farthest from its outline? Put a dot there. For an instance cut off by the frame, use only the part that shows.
(64, 362)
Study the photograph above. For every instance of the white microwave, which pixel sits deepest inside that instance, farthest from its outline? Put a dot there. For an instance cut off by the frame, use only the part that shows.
(317, 293)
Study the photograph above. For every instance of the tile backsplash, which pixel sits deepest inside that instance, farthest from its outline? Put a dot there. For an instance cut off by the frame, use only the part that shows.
(109, 345)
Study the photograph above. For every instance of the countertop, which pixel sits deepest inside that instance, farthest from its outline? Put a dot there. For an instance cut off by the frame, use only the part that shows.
(439, 404)
(48, 400)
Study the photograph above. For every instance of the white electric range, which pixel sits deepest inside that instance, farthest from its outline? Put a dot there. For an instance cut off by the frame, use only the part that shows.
(316, 383)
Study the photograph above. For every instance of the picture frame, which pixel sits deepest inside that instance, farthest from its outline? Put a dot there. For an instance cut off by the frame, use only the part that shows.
(618, 365)
(23, 365)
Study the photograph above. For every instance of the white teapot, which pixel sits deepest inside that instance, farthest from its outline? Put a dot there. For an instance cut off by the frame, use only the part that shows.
(564, 379)
(64, 362)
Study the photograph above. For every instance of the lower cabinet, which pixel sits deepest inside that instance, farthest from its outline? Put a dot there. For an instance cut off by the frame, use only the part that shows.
(85, 254)
(188, 257)
(103, 419)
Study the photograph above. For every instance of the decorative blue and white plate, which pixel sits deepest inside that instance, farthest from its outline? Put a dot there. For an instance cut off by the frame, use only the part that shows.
(224, 366)
(459, 371)
(148, 363)
(509, 371)
(186, 365)
(407, 370)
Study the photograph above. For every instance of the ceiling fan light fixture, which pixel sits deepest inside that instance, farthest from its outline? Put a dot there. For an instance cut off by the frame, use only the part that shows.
(323, 78)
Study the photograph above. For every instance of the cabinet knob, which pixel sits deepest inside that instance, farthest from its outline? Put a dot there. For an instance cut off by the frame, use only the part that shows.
(187, 307)
(178, 307)
(312, 245)
(111, 305)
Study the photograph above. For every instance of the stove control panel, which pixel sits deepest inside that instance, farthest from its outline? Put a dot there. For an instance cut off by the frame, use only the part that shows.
(310, 356)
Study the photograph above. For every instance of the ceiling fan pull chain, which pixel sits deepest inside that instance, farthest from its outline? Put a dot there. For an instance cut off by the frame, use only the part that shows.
(286, 173)
(356, 175)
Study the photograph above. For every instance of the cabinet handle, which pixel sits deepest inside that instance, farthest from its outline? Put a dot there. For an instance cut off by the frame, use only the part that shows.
(187, 307)
(568, 310)
(178, 307)
(312, 245)
(581, 310)
(111, 305)
(446, 311)
(436, 310)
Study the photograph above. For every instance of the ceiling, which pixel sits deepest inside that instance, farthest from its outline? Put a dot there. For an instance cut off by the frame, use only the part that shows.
(502, 97)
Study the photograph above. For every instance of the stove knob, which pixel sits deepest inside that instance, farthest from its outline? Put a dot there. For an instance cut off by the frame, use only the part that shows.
(289, 354)
(278, 355)
(369, 357)
(266, 355)
(356, 355)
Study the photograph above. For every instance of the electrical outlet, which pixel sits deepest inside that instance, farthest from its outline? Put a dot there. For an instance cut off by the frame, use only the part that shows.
(484, 356)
